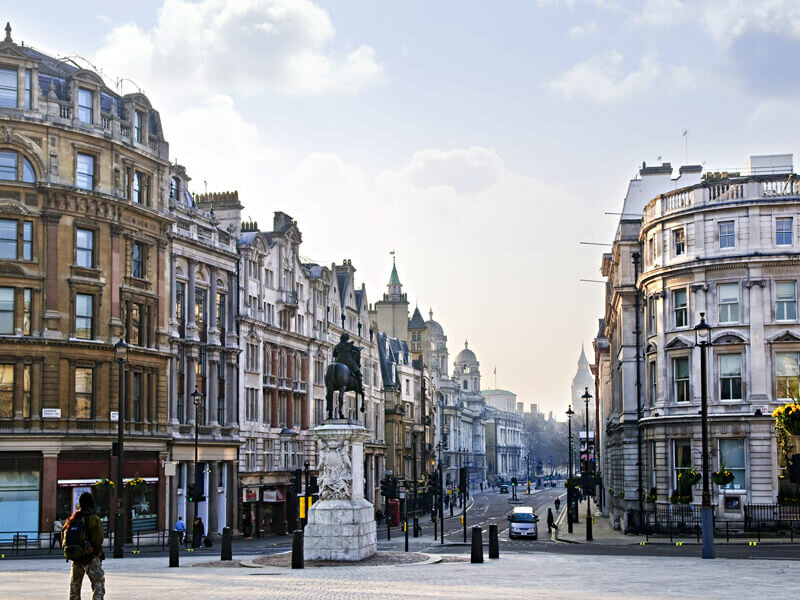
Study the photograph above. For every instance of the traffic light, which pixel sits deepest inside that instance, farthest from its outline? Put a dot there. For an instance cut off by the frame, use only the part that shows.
(190, 493)
(385, 484)
(513, 482)
(297, 480)
(462, 479)
(433, 485)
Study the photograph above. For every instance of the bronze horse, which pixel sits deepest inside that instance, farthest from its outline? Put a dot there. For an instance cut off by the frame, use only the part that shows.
(338, 377)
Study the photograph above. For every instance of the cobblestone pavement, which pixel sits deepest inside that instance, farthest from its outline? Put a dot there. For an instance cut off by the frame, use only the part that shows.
(512, 576)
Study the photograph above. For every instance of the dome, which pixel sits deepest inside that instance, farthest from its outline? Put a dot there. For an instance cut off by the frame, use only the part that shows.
(466, 355)
(434, 329)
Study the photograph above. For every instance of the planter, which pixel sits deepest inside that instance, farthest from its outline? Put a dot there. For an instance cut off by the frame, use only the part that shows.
(136, 484)
(103, 484)
(723, 477)
(688, 478)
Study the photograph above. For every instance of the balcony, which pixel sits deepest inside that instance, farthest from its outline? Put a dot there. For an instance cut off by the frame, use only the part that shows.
(270, 381)
(285, 383)
(288, 300)
(300, 386)
(722, 190)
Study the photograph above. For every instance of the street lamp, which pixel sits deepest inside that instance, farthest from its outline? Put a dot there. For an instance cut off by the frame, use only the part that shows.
(196, 399)
(702, 338)
(587, 474)
(570, 412)
(121, 352)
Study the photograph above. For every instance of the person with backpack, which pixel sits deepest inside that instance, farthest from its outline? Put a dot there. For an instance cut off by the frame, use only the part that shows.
(82, 543)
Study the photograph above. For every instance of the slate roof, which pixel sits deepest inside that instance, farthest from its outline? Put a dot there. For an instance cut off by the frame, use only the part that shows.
(416, 322)
(341, 277)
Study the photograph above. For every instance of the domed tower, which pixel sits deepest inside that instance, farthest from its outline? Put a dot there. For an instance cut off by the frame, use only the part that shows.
(467, 370)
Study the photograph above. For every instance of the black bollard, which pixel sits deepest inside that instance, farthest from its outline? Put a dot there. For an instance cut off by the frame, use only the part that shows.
(405, 530)
(227, 538)
(174, 549)
(477, 545)
(494, 545)
(297, 549)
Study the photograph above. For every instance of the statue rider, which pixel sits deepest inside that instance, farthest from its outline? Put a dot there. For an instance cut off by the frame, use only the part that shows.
(347, 353)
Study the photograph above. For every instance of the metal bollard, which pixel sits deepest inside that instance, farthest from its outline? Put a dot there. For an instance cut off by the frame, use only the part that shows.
(477, 545)
(227, 539)
(494, 544)
(174, 549)
(297, 549)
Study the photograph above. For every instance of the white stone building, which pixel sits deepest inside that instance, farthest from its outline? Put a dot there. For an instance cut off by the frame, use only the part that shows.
(503, 433)
(725, 245)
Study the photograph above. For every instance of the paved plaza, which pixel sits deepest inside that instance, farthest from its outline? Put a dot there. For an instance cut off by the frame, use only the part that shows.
(512, 576)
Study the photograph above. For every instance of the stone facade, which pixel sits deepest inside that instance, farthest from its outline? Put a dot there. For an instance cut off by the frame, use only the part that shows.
(725, 247)
(84, 262)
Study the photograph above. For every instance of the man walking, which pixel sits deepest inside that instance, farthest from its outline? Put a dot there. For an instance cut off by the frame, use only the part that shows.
(180, 527)
(84, 528)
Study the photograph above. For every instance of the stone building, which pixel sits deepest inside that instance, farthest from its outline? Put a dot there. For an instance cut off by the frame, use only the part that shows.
(503, 431)
(84, 177)
(724, 246)
(205, 348)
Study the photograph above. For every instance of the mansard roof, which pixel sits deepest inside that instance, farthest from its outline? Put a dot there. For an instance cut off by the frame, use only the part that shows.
(416, 321)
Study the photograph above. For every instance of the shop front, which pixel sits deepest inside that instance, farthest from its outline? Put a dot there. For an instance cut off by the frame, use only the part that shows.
(264, 510)
(95, 473)
(20, 477)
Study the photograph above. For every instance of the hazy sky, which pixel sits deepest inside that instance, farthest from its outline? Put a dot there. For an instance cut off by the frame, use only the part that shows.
(481, 140)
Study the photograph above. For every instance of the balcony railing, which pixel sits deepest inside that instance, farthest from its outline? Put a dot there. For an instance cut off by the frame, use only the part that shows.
(720, 191)
(299, 386)
(270, 381)
(285, 383)
(289, 298)
(125, 130)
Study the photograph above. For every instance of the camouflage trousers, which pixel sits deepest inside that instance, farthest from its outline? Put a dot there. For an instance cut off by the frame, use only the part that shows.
(97, 578)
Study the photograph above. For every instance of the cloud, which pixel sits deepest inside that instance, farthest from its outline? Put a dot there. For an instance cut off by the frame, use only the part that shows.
(466, 171)
(238, 47)
(585, 29)
(724, 21)
(600, 78)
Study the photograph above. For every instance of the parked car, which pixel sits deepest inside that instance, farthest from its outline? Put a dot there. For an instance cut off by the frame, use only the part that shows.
(523, 523)
(504, 489)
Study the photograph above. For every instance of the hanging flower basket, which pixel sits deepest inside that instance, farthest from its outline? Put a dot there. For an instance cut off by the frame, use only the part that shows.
(136, 484)
(688, 478)
(788, 417)
(103, 484)
(678, 499)
(722, 477)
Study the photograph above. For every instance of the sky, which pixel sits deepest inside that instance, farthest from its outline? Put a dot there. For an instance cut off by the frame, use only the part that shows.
(482, 141)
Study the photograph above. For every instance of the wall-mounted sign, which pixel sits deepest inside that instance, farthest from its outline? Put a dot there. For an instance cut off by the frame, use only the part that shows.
(250, 494)
(51, 413)
(114, 416)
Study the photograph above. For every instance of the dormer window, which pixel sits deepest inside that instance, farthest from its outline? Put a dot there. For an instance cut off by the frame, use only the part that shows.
(85, 106)
(138, 124)
(8, 87)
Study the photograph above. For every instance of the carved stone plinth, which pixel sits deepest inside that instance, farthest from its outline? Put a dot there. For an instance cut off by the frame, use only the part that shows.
(341, 525)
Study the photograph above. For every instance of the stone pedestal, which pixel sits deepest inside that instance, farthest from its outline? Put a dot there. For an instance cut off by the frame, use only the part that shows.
(341, 525)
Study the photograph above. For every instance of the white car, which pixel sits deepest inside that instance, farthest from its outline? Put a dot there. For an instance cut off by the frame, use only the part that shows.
(523, 523)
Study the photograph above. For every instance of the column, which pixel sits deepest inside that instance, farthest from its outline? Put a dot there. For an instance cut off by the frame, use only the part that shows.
(116, 273)
(211, 318)
(173, 390)
(232, 392)
(212, 498)
(161, 284)
(758, 347)
(173, 287)
(213, 395)
(51, 312)
(191, 381)
(290, 396)
(306, 399)
(274, 407)
(189, 308)
(49, 483)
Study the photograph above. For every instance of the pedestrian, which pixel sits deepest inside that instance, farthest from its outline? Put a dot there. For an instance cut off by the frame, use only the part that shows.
(198, 531)
(550, 521)
(180, 527)
(557, 503)
(481, 486)
(58, 525)
(447, 501)
(82, 541)
(379, 516)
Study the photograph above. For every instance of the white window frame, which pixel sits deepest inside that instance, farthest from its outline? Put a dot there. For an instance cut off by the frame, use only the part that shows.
(727, 305)
(785, 304)
(684, 308)
(727, 236)
(720, 358)
(790, 231)
(677, 244)
(687, 379)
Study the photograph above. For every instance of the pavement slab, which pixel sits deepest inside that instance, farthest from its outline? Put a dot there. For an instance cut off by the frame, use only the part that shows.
(538, 575)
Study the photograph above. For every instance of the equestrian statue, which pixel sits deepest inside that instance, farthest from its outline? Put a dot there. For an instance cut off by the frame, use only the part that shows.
(344, 374)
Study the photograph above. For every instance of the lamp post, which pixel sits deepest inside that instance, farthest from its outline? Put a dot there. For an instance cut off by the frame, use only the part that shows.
(570, 412)
(528, 470)
(588, 471)
(702, 338)
(121, 352)
(196, 399)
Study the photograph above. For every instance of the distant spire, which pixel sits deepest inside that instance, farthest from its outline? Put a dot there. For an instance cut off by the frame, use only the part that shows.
(582, 361)
(394, 279)
(466, 345)
(430, 314)
(8, 32)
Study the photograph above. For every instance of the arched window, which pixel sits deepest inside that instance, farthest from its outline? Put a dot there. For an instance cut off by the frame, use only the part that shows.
(15, 167)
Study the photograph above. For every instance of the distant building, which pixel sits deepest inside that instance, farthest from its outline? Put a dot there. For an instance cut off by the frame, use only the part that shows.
(503, 427)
